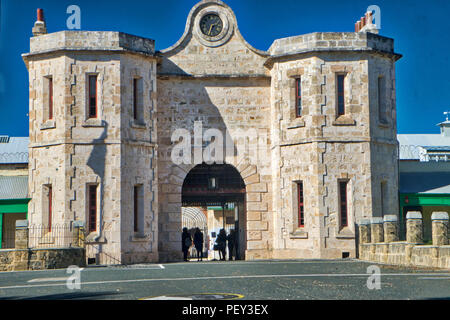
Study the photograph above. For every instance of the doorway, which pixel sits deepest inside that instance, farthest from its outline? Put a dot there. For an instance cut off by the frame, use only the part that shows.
(218, 193)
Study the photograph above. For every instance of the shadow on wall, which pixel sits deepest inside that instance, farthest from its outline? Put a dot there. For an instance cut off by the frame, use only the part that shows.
(97, 162)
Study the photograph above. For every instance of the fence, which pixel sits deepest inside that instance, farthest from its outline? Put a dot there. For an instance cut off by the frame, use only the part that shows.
(379, 241)
(54, 236)
(39, 247)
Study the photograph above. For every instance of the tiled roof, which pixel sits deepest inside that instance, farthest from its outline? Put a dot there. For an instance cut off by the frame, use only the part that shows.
(13, 149)
(13, 187)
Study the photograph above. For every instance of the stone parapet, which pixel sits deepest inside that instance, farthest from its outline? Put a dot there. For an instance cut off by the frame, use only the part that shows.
(364, 231)
(440, 228)
(390, 226)
(411, 252)
(332, 41)
(376, 230)
(91, 40)
(414, 227)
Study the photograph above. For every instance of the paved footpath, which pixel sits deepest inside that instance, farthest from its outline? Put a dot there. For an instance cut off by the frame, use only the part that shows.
(252, 280)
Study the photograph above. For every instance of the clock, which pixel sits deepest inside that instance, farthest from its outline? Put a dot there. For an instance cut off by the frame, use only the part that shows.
(211, 25)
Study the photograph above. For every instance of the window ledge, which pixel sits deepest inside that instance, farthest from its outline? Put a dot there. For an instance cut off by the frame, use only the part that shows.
(139, 238)
(345, 233)
(344, 120)
(138, 125)
(299, 234)
(49, 124)
(297, 123)
(96, 123)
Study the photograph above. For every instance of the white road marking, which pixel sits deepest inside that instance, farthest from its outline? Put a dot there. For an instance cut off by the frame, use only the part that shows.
(161, 266)
(341, 275)
(433, 278)
(48, 279)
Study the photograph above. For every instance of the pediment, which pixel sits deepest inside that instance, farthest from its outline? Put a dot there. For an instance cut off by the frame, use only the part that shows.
(208, 50)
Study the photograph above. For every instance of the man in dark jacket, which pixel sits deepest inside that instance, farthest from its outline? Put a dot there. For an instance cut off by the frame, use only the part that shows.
(186, 243)
(231, 238)
(198, 243)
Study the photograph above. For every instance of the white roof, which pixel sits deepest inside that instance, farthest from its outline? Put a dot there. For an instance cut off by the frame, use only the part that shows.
(413, 145)
(13, 149)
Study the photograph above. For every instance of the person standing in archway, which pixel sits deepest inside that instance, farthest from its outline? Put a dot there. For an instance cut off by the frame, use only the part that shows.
(231, 238)
(186, 243)
(222, 244)
(198, 243)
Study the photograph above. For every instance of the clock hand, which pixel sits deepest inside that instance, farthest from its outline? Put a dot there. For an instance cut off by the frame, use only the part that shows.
(209, 32)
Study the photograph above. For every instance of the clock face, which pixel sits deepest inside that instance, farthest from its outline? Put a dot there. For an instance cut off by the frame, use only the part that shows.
(211, 25)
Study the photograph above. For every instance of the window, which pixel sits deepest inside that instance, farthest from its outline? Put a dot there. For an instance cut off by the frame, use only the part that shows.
(92, 208)
(383, 197)
(136, 209)
(343, 205)
(92, 96)
(382, 100)
(50, 98)
(47, 206)
(137, 99)
(298, 97)
(301, 205)
(340, 94)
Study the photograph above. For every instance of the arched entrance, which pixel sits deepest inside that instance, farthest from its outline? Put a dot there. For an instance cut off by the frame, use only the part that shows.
(219, 192)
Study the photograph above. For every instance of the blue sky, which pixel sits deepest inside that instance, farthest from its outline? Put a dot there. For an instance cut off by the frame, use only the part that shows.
(420, 29)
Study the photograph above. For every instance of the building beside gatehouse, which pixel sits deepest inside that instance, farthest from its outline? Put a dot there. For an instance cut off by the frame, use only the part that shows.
(307, 129)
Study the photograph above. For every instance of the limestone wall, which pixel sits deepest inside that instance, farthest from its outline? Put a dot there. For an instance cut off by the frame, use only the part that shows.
(72, 151)
(41, 259)
(411, 252)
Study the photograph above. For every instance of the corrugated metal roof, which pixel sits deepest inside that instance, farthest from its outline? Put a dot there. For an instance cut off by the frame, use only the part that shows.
(13, 187)
(430, 140)
(413, 146)
(425, 182)
(14, 150)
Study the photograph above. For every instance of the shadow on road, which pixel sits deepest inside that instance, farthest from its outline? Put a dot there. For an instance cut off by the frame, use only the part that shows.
(65, 296)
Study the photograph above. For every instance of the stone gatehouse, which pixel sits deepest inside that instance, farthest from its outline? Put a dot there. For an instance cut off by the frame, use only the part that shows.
(301, 138)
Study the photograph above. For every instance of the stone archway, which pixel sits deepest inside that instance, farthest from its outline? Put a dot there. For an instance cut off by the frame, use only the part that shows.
(256, 207)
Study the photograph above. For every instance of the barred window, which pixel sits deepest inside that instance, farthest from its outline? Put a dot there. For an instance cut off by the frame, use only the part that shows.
(92, 208)
(92, 96)
(340, 94)
(301, 205)
(298, 97)
(343, 203)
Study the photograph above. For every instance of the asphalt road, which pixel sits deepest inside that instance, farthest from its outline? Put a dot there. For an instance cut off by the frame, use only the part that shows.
(244, 280)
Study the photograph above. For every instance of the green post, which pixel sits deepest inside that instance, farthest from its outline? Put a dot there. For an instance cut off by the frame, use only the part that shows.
(1, 229)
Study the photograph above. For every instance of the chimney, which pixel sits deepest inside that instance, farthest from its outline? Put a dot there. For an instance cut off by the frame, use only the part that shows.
(39, 26)
(365, 24)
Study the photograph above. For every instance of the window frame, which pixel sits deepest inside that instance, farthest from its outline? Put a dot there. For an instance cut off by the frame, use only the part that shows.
(136, 208)
(381, 95)
(50, 206)
(50, 98)
(300, 205)
(340, 93)
(343, 203)
(92, 207)
(298, 97)
(90, 96)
